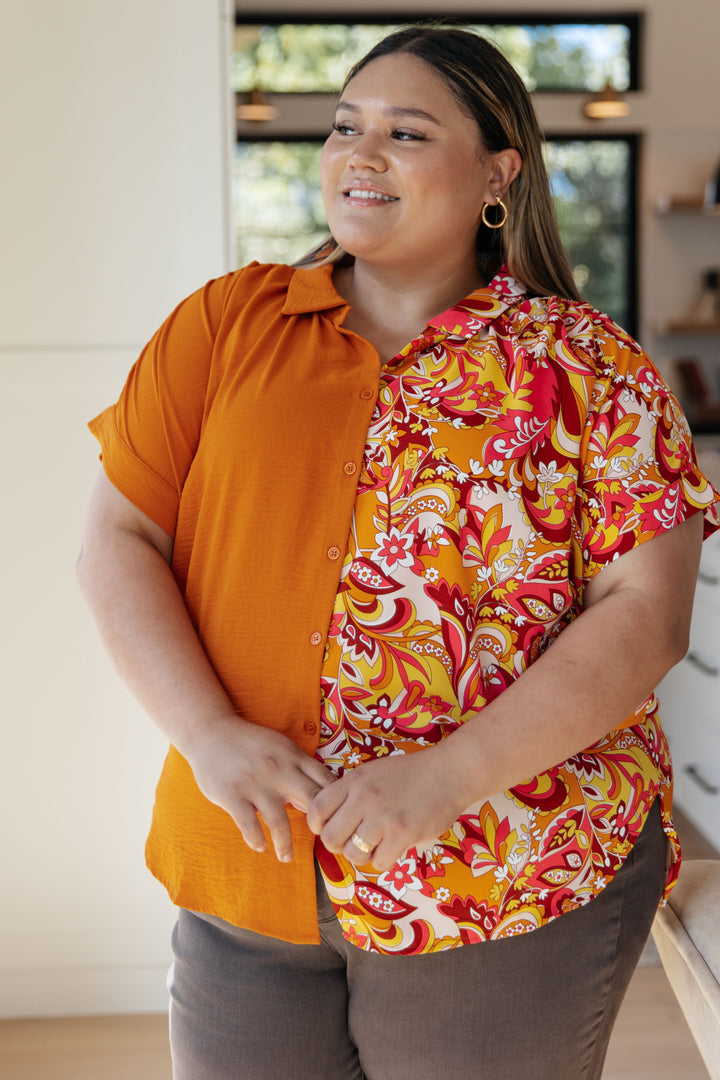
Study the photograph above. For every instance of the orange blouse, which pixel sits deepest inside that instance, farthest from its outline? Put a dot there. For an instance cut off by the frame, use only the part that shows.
(407, 537)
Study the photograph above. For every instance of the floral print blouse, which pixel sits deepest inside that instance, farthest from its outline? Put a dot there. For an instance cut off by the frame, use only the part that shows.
(516, 447)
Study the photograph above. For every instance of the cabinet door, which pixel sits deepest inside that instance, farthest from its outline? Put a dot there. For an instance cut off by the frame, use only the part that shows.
(695, 752)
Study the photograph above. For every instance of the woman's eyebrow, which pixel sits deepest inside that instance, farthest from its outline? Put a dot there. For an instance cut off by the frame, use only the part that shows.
(393, 110)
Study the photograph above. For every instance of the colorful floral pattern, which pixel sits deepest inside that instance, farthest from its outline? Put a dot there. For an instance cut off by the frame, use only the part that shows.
(516, 447)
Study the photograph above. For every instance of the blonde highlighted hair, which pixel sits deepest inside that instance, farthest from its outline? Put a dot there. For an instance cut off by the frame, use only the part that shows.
(488, 88)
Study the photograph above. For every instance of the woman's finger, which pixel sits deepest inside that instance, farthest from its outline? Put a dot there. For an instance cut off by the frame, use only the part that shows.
(273, 813)
(246, 819)
(324, 805)
(361, 845)
(318, 772)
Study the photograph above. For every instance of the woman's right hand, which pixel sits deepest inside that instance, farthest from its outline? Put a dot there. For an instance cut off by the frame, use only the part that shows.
(253, 772)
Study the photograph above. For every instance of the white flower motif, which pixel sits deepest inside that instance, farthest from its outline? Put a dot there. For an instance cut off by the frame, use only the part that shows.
(547, 473)
(393, 550)
(442, 894)
(432, 574)
(475, 466)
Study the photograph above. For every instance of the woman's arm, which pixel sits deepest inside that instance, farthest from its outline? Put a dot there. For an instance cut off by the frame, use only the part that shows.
(633, 629)
(250, 771)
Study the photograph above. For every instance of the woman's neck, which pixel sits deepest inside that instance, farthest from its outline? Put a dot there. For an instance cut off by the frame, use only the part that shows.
(390, 310)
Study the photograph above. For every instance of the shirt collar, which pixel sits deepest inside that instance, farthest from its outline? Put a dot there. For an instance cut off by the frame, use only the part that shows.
(463, 320)
(313, 290)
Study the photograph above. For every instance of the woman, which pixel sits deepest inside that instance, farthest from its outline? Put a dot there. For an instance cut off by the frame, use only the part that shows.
(370, 547)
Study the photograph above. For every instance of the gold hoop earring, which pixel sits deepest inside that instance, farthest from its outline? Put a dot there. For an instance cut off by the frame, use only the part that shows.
(497, 224)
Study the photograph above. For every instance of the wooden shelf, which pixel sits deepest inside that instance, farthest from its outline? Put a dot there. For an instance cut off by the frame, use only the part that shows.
(670, 204)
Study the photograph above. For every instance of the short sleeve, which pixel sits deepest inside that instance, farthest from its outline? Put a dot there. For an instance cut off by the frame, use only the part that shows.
(640, 475)
(149, 437)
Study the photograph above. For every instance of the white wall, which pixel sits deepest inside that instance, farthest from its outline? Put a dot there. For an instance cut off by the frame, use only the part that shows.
(114, 206)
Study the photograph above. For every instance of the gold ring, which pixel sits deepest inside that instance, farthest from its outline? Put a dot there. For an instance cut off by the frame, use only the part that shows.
(362, 845)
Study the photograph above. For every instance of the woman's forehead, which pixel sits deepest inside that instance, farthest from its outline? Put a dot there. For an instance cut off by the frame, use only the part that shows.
(400, 83)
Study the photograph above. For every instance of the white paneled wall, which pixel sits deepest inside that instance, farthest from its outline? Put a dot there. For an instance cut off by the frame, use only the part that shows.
(115, 142)
(115, 149)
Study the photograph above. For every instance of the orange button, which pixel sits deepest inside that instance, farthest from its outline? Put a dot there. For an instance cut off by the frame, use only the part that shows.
(310, 726)
(315, 638)
(334, 553)
(367, 393)
(350, 468)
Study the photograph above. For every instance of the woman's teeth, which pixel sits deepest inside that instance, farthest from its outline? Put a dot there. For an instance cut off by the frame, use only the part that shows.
(358, 193)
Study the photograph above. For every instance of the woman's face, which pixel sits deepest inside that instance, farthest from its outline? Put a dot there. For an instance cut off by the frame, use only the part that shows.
(404, 174)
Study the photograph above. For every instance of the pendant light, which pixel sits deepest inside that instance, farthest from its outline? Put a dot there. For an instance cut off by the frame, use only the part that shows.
(607, 104)
(256, 109)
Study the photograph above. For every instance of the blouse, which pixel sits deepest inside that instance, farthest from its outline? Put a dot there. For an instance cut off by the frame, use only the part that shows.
(372, 552)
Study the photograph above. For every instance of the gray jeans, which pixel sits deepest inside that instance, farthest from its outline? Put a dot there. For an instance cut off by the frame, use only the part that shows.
(540, 1006)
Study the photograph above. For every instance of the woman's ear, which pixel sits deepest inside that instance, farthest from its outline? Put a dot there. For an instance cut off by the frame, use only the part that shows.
(506, 166)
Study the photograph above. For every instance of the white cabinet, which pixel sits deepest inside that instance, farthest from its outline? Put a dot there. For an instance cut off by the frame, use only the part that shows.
(690, 705)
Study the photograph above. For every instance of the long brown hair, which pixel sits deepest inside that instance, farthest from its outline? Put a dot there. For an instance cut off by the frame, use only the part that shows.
(489, 89)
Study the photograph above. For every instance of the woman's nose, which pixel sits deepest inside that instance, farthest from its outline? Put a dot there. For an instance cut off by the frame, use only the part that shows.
(368, 153)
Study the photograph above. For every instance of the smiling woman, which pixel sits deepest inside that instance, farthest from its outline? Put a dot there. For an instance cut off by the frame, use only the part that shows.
(376, 544)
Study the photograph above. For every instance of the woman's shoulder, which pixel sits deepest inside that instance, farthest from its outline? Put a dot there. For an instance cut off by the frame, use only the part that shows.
(575, 331)
(269, 286)
(579, 317)
(253, 279)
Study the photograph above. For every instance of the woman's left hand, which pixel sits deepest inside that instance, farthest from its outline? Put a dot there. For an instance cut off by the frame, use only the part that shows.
(392, 804)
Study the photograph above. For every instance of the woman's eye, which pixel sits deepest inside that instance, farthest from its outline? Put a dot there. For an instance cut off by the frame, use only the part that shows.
(407, 136)
(343, 129)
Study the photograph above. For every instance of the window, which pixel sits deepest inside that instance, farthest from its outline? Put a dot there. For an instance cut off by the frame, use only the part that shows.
(550, 55)
(278, 208)
(593, 183)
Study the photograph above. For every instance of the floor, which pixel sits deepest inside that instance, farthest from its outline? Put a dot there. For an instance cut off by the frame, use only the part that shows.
(651, 1040)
